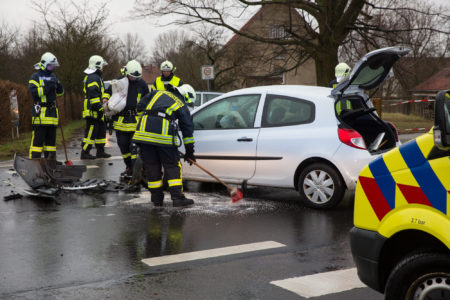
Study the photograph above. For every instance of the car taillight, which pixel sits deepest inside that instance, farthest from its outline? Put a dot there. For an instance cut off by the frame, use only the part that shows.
(352, 138)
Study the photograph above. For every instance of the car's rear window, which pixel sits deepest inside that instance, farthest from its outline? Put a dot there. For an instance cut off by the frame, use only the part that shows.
(285, 111)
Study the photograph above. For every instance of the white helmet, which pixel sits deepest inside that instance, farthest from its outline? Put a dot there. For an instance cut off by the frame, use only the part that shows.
(97, 62)
(188, 92)
(48, 59)
(133, 68)
(166, 66)
(342, 70)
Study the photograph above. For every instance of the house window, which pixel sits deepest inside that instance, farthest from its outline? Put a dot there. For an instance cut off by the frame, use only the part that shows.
(277, 32)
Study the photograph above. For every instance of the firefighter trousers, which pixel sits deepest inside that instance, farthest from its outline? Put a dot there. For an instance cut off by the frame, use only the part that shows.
(95, 132)
(43, 139)
(128, 151)
(155, 158)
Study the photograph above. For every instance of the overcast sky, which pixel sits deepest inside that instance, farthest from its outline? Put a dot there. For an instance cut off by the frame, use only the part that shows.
(20, 13)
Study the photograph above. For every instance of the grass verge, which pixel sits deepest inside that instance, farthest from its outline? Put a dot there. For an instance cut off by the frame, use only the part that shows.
(22, 144)
(404, 122)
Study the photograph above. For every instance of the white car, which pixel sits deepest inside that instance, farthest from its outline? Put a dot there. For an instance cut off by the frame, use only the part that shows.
(290, 136)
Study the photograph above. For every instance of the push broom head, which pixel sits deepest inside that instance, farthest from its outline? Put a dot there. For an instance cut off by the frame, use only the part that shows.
(236, 195)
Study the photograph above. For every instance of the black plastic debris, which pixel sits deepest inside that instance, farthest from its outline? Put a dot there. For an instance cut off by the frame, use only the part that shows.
(12, 197)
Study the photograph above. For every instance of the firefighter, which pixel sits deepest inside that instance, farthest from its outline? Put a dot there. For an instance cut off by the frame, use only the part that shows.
(125, 122)
(341, 71)
(167, 81)
(95, 94)
(44, 87)
(158, 139)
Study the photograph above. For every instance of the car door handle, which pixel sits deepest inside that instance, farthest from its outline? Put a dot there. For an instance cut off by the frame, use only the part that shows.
(244, 139)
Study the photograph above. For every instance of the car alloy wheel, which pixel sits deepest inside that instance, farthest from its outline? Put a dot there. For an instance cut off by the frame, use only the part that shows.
(320, 186)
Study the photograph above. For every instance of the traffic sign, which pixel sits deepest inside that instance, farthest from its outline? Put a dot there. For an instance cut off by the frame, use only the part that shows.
(207, 72)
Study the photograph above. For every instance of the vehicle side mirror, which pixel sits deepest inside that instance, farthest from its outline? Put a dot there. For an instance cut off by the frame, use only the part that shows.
(441, 129)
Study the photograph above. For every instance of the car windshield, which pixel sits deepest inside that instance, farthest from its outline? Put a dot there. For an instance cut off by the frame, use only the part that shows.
(228, 113)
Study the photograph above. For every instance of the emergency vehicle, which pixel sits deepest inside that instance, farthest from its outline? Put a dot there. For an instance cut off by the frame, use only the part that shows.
(401, 236)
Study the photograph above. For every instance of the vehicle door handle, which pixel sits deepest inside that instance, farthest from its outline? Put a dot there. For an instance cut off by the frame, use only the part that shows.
(244, 139)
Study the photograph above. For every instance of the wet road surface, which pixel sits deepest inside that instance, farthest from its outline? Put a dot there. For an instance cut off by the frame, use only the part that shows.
(94, 246)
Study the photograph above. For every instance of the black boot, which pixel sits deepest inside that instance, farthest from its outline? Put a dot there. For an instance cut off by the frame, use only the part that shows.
(86, 155)
(101, 153)
(182, 202)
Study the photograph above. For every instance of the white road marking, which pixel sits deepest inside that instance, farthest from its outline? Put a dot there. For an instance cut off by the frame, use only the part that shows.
(171, 259)
(92, 166)
(322, 283)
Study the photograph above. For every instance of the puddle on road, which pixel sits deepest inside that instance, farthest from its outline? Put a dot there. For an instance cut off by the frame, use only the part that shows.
(206, 204)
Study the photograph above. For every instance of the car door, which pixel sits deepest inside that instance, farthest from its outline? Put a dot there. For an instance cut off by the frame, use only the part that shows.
(286, 134)
(226, 138)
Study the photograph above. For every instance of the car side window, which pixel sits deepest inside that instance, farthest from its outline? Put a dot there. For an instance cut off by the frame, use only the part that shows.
(284, 111)
(235, 112)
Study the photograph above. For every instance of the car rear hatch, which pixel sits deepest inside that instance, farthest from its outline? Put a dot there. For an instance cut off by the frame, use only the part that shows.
(359, 114)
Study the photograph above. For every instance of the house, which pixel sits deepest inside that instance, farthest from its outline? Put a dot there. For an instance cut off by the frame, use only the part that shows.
(253, 63)
(430, 87)
(149, 73)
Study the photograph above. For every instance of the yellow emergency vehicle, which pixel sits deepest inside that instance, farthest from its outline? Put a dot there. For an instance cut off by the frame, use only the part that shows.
(401, 236)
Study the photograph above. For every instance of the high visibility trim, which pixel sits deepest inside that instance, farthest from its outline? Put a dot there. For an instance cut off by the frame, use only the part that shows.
(172, 108)
(153, 138)
(88, 140)
(93, 83)
(375, 196)
(384, 179)
(59, 94)
(150, 105)
(155, 184)
(188, 140)
(126, 155)
(165, 127)
(49, 148)
(138, 98)
(424, 175)
(175, 182)
(133, 156)
(95, 100)
(100, 141)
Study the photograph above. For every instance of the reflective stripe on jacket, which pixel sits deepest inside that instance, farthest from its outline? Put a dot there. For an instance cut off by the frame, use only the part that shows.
(162, 131)
(160, 82)
(44, 87)
(95, 92)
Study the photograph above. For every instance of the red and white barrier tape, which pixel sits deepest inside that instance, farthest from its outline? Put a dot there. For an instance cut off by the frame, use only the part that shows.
(410, 101)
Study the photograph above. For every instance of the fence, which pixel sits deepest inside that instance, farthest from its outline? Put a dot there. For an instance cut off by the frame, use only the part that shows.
(66, 105)
(421, 107)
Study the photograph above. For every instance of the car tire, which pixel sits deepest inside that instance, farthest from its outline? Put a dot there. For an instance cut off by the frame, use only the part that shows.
(423, 275)
(320, 186)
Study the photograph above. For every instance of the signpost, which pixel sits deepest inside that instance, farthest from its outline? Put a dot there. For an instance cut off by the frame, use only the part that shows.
(207, 73)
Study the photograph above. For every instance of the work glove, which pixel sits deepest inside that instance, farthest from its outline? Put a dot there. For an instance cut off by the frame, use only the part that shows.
(189, 155)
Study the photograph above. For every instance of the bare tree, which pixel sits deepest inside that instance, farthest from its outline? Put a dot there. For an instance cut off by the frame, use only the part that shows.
(132, 47)
(8, 41)
(73, 35)
(326, 23)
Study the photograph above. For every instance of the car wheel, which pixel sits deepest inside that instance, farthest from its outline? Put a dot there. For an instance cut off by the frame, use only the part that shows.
(320, 186)
(420, 276)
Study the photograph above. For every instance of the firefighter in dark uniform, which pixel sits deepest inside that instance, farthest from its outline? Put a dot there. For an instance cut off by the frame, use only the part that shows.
(95, 94)
(126, 121)
(157, 138)
(44, 87)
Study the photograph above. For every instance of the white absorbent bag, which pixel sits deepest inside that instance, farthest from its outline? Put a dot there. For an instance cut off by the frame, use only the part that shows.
(118, 98)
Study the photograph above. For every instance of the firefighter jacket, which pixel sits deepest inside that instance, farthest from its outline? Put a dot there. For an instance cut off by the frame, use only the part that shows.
(166, 83)
(95, 92)
(128, 118)
(158, 125)
(45, 87)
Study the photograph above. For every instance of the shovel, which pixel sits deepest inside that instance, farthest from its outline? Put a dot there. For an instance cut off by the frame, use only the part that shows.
(235, 193)
(67, 162)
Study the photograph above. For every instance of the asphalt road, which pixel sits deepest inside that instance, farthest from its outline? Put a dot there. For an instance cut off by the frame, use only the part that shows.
(116, 245)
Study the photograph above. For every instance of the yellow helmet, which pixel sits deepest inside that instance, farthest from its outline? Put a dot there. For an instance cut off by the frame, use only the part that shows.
(97, 62)
(342, 70)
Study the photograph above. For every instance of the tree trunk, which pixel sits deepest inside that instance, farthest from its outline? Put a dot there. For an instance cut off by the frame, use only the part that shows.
(326, 61)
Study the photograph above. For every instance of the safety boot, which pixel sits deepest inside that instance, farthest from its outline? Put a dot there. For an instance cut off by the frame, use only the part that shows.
(86, 155)
(182, 202)
(102, 154)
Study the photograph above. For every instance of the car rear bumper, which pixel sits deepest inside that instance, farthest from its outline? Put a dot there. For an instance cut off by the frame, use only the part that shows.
(366, 246)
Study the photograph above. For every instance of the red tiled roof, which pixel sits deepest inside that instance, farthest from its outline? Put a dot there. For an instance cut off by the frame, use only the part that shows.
(437, 82)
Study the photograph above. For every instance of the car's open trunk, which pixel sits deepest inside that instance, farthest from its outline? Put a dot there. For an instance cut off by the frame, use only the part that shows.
(378, 135)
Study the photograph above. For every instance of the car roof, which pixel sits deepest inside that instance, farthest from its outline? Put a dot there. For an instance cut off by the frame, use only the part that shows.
(285, 89)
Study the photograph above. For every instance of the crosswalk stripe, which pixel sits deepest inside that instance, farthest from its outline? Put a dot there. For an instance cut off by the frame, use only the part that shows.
(322, 283)
(196, 255)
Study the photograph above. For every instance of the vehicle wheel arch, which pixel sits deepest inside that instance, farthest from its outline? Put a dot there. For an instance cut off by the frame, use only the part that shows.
(402, 244)
(310, 161)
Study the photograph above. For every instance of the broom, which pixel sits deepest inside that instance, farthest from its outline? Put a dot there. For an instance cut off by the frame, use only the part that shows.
(235, 193)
